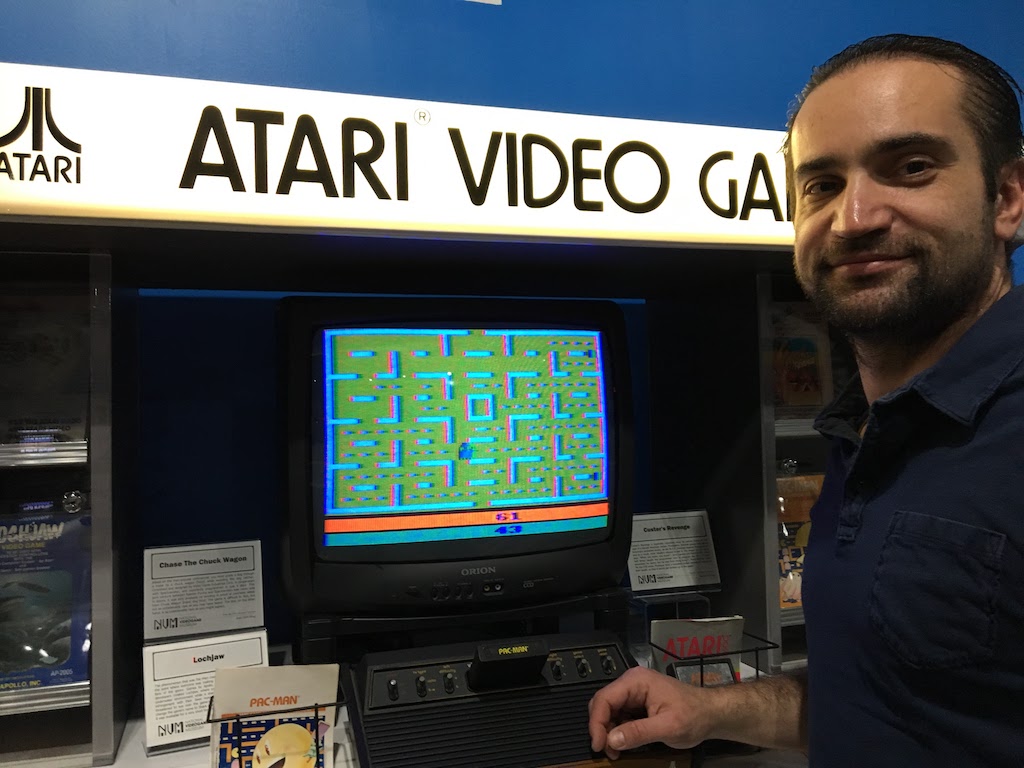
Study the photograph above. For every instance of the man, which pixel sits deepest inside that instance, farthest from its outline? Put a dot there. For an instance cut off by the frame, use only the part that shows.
(905, 171)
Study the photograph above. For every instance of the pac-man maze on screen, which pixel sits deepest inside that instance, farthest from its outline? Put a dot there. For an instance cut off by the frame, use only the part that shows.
(431, 432)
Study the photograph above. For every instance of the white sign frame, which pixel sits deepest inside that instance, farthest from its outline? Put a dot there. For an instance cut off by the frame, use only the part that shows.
(142, 150)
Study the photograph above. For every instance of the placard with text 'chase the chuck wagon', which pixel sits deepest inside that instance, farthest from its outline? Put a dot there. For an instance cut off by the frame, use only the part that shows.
(202, 589)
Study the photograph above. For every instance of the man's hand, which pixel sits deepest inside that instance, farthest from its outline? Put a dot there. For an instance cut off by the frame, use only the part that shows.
(644, 706)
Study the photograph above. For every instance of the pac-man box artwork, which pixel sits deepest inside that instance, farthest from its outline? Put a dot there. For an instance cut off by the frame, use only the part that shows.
(272, 742)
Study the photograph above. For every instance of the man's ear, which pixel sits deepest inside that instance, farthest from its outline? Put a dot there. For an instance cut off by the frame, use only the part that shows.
(1009, 207)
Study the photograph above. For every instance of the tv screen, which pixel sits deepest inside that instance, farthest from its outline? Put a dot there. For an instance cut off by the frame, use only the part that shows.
(443, 434)
(448, 451)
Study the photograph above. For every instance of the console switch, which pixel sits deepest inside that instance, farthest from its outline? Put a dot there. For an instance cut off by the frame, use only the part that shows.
(582, 669)
(556, 670)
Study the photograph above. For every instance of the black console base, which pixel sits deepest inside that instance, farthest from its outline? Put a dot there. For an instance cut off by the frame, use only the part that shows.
(426, 707)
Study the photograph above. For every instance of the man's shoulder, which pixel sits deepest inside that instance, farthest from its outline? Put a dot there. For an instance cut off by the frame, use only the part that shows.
(986, 362)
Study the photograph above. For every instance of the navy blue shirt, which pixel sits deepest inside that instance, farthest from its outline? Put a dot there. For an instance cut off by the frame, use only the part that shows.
(913, 585)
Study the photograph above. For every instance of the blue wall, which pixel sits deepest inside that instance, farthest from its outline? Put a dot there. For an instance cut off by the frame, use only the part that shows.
(729, 62)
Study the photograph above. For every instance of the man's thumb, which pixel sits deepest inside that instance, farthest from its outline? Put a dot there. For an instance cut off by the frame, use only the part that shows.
(635, 733)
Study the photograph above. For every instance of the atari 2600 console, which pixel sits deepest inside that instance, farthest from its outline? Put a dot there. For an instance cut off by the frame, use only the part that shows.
(514, 703)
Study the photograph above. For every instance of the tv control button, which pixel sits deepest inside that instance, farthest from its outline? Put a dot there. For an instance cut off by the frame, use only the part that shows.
(468, 590)
(433, 593)
(445, 592)
(608, 665)
(421, 686)
(449, 682)
(582, 669)
(393, 689)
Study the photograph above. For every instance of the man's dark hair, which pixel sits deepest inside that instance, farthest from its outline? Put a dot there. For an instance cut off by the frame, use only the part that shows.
(990, 95)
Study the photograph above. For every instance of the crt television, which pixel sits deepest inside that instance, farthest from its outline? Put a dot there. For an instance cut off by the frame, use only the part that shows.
(450, 455)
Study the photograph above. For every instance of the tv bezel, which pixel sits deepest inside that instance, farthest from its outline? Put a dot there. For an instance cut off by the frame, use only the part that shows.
(396, 579)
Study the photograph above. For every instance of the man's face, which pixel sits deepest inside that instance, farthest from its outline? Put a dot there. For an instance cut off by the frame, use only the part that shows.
(894, 233)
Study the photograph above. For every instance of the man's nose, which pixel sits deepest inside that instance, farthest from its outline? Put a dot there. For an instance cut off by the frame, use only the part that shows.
(863, 207)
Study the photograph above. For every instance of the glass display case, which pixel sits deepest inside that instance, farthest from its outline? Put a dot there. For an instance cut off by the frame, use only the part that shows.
(802, 366)
(55, 360)
(45, 602)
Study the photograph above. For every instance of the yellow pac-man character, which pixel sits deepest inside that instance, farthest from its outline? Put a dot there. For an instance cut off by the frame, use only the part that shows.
(288, 745)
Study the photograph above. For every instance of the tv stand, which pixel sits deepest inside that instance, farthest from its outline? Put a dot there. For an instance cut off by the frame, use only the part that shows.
(327, 638)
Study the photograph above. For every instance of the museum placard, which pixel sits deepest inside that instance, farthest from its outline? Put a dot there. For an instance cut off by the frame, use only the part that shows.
(201, 589)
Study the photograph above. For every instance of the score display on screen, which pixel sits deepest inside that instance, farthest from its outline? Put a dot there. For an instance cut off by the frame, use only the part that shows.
(445, 434)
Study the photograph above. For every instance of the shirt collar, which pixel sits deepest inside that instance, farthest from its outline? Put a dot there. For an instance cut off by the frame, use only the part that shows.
(970, 373)
(959, 384)
(845, 414)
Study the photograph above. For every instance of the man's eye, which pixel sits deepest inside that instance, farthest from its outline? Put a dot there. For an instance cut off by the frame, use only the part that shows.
(821, 187)
(915, 167)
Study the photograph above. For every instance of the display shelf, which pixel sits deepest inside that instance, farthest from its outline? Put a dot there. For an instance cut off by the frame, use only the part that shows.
(53, 710)
(44, 454)
(793, 653)
(793, 664)
(133, 750)
(44, 699)
(133, 754)
(791, 617)
(802, 364)
(50, 757)
(795, 428)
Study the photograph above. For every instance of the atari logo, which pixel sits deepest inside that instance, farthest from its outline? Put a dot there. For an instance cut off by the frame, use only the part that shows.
(37, 114)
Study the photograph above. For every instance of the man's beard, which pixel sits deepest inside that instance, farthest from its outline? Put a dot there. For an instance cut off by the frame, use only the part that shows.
(909, 311)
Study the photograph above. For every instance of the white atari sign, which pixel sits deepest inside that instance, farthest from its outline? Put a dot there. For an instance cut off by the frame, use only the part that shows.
(37, 123)
(81, 145)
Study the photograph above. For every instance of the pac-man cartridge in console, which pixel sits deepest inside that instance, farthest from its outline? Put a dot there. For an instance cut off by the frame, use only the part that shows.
(507, 664)
(513, 703)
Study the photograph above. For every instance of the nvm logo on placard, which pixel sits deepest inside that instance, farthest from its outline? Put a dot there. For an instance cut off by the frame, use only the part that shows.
(42, 163)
